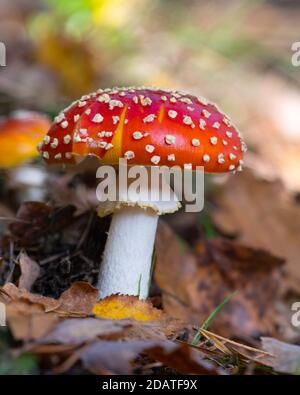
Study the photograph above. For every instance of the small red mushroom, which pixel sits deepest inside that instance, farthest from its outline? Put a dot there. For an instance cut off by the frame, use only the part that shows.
(148, 127)
(19, 136)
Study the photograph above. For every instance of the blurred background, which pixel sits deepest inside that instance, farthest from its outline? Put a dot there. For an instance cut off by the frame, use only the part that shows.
(237, 54)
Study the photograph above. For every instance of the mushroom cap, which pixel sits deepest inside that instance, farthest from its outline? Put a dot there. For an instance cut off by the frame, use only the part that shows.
(147, 126)
(19, 136)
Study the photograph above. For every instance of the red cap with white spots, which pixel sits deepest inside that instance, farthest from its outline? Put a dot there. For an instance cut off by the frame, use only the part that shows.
(147, 126)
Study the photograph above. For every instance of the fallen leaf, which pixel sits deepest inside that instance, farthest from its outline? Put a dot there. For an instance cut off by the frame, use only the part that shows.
(5, 214)
(32, 221)
(28, 321)
(184, 359)
(166, 327)
(277, 118)
(285, 357)
(263, 215)
(104, 357)
(64, 191)
(80, 330)
(30, 271)
(118, 307)
(193, 285)
(79, 299)
(15, 293)
(76, 330)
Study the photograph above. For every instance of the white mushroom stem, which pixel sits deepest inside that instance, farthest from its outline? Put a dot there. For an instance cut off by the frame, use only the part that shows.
(31, 181)
(127, 258)
(126, 264)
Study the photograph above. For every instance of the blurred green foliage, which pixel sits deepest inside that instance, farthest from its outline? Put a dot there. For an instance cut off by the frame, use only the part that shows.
(24, 363)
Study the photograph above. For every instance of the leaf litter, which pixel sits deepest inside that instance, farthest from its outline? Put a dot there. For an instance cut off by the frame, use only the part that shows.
(203, 275)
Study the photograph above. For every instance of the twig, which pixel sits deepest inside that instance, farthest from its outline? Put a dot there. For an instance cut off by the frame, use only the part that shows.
(86, 231)
(11, 219)
(256, 350)
(11, 261)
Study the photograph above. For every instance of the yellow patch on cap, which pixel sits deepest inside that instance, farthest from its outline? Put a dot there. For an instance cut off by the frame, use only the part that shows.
(112, 156)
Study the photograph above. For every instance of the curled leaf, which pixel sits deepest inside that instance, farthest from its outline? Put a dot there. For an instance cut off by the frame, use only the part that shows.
(78, 299)
(30, 271)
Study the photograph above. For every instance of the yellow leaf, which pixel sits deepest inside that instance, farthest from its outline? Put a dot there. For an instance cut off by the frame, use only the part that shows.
(117, 307)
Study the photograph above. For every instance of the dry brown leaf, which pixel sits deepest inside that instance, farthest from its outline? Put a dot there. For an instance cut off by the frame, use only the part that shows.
(193, 286)
(184, 359)
(32, 221)
(15, 293)
(75, 302)
(30, 271)
(79, 330)
(81, 196)
(28, 321)
(105, 357)
(79, 299)
(29, 315)
(6, 214)
(263, 215)
(88, 329)
(166, 327)
(285, 357)
(277, 118)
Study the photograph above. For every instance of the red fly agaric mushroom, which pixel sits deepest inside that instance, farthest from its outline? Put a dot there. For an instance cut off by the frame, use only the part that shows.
(19, 136)
(148, 127)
